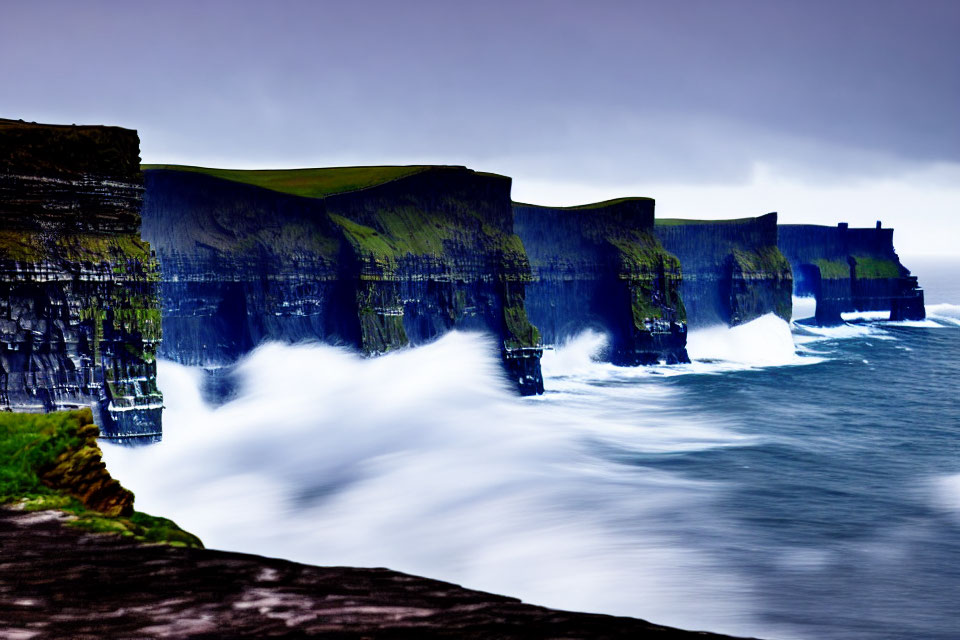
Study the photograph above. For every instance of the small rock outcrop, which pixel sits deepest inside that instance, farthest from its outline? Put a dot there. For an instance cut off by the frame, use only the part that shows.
(600, 266)
(79, 312)
(733, 271)
(80, 472)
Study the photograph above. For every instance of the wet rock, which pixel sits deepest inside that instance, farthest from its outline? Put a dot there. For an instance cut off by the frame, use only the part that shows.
(56, 582)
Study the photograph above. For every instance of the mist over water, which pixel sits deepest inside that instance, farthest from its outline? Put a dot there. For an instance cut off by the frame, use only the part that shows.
(792, 482)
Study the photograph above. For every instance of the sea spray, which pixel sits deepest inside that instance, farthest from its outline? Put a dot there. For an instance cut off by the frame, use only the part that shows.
(766, 341)
(946, 313)
(804, 307)
(757, 500)
(424, 461)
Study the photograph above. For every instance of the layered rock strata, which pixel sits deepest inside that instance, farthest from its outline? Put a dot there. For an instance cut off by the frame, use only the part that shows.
(733, 271)
(370, 257)
(850, 270)
(79, 311)
(601, 266)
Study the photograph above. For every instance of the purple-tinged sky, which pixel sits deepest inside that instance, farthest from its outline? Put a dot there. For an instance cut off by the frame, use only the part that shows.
(821, 110)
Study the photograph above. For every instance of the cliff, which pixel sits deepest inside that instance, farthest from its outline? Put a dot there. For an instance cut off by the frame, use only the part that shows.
(371, 257)
(79, 312)
(601, 266)
(733, 271)
(850, 270)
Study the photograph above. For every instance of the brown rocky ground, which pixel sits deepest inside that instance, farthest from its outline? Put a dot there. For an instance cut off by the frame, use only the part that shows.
(60, 582)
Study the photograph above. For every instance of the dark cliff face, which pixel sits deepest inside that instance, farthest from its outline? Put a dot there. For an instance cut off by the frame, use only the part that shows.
(732, 270)
(850, 270)
(79, 312)
(375, 268)
(600, 266)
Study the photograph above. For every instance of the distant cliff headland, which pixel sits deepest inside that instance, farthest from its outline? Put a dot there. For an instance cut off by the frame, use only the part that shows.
(850, 270)
(100, 257)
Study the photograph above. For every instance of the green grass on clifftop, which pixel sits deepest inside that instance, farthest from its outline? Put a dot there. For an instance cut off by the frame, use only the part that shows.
(870, 268)
(29, 442)
(833, 269)
(679, 222)
(309, 183)
(586, 207)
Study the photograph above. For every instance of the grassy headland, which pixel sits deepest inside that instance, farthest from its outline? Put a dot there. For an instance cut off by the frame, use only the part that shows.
(309, 183)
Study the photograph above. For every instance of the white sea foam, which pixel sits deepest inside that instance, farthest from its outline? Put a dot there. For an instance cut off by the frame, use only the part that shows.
(424, 461)
(946, 494)
(865, 316)
(806, 334)
(927, 323)
(938, 316)
(804, 307)
(764, 342)
(944, 313)
(576, 356)
(576, 366)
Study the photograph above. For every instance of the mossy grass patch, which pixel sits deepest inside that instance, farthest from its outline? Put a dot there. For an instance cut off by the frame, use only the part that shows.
(309, 183)
(870, 268)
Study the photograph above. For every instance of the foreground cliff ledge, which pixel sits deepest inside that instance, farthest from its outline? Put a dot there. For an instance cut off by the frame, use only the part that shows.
(57, 582)
(51, 462)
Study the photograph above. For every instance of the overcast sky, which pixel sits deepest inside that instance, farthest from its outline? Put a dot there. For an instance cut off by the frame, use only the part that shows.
(821, 110)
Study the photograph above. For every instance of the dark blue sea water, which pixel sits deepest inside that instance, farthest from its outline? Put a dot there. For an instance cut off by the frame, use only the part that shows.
(847, 506)
(791, 483)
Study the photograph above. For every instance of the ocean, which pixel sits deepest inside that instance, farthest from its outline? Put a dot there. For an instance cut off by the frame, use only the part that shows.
(793, 482)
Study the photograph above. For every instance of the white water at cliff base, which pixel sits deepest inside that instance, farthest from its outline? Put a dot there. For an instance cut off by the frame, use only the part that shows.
(424, 461)
(766, 341)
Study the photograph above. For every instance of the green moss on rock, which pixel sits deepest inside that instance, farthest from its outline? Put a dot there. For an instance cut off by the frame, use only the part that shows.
(679, 222)
(762, 261)
(833, 269)
(519, 332)
(871, 268)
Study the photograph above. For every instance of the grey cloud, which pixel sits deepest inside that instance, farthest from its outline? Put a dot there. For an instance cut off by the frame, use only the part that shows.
(689, 91)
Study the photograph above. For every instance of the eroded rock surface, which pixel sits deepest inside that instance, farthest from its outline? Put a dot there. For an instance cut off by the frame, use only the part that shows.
(79, 312)
(600, 266)
(81, 473)
(60, 583)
